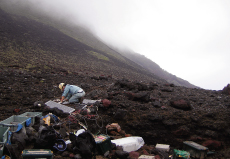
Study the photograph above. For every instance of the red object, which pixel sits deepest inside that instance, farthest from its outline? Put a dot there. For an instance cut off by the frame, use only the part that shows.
(212, 144)
(134, 155)
(145, 152)
(106, 102)
(16, 110)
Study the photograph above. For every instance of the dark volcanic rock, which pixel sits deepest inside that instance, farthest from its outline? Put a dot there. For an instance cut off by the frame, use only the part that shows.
(226, 90)
(140, 96)
(180, 104)
(120, 114)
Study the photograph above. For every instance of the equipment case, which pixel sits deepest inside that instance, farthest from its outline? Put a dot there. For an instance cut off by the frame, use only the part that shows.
(37, 153)
(103, 143)
(196, 150)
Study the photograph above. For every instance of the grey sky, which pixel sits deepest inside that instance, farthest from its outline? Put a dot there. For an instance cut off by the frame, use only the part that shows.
(188, 38)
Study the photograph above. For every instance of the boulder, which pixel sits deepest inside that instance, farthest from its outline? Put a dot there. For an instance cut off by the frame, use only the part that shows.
(180, 104)
(121, 154)
(120, 114)
(106, 102)
(134, 155)
(212, 144)
(141, 96)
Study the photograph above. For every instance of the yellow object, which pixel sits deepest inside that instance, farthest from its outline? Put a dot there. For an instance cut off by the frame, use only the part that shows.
(61, 85)
(7, 157)
(47, 120)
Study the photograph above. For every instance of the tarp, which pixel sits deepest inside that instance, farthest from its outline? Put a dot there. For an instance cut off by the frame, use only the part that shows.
(64, 108)
(89, 101)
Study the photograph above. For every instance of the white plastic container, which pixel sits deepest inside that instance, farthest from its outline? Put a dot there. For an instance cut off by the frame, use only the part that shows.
(129, 144)
(146, 157)
(79, 132)
(163, 147)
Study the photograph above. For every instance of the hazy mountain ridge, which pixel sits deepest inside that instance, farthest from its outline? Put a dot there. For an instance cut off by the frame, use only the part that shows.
(83, 35)
(156, 69)
(28, 44)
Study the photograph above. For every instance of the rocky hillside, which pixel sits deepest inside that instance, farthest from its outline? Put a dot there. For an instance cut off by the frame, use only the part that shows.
(84, 36)
(160, 113)
(28, 44)
(35, 58)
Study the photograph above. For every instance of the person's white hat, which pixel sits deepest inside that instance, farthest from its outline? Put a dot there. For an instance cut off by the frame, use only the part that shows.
(61, 85)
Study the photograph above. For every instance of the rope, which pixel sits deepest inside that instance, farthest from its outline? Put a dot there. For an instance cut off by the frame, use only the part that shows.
(72, 118)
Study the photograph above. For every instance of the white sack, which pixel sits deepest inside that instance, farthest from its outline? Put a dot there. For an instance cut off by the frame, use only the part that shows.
(132, 143)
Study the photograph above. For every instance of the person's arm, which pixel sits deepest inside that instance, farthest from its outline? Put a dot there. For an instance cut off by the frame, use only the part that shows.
(62, 99)
(64, 94)
(68, 96)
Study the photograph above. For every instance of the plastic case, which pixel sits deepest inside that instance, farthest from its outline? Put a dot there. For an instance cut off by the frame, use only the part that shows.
(163, 147)
(31, 115)
(4, 134)
(3, 138)
(196, 150)
(37, 153)
(103, 143)
(13, 122)
(146, 157)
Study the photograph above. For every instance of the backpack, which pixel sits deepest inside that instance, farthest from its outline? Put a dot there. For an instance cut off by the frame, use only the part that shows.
(47, 138)
(83, 144)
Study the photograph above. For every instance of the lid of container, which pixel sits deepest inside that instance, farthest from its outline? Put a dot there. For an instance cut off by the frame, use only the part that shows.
(195, 145)
(101, 138)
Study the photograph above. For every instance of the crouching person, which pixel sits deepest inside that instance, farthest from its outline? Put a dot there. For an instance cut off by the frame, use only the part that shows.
(71, 93)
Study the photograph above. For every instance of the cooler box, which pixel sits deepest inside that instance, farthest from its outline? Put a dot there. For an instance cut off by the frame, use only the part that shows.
(13, 122)
(31, 115)
(37, 153)
(103, 143)
(195, 150)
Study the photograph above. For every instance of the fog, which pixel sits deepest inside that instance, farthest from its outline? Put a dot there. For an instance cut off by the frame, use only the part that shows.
(189, 39)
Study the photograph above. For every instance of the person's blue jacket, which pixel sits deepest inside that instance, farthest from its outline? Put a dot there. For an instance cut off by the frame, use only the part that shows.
(70, 90)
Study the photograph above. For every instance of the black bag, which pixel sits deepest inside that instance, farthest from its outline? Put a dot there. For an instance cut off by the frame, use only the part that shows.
(47, 138)
(83, 144)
